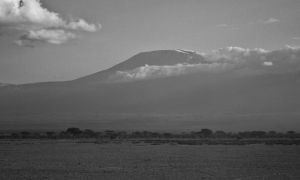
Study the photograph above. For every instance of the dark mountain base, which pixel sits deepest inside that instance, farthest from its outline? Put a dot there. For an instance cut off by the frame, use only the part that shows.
(155, 122)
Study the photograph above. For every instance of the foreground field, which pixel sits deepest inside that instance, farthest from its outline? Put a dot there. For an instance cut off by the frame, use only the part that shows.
(63, 159)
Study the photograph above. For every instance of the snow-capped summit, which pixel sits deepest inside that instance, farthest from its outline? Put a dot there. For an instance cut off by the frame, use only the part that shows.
(186, 51)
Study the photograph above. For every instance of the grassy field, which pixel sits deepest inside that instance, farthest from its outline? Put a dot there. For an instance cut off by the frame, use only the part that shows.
(66, 159)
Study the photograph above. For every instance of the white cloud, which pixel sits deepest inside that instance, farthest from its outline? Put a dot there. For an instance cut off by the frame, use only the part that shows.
(266, 63)
(271, 21)
(222, 25)
(231, 59)
(150, 72)
(227, 26)
(33, 20)
(29, 12)
(296, 38)
(83, 25)
(50, 36)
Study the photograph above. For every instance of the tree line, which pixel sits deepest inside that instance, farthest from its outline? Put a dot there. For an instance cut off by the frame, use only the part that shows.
(74, 132)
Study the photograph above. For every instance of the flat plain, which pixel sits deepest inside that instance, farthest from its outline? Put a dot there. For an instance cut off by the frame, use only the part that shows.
(67, 159)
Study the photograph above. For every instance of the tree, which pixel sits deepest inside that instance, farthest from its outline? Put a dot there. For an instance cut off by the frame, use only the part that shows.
(258, 134)
(220, 134)
(272, 134)
(36, 135)
(167, 135)
(206, 132)
(74, 131)
(89, 133)
(15, 135)
(25, 134)
(50, 134)
(111, 134)
(291, 134)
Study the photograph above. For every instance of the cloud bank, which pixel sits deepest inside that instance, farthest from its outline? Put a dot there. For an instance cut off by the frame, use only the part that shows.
(37, 23)
(231, 59)
(50, 36)
(271, 21)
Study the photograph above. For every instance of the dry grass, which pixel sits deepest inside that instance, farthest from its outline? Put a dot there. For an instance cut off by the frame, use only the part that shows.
(70, 160)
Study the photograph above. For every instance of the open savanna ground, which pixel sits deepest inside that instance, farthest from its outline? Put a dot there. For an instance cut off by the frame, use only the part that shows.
(73, 159)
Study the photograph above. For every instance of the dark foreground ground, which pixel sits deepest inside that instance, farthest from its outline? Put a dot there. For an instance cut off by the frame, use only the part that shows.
(66, 159)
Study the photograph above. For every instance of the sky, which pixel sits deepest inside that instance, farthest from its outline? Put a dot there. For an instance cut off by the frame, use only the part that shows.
(66, 39)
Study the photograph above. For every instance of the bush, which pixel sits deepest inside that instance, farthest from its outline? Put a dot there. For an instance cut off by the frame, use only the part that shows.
(74, 131)
(89, 133)
(50, 134)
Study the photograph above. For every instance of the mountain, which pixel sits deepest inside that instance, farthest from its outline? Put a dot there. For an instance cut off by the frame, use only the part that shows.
(164, 90)
(158, 58)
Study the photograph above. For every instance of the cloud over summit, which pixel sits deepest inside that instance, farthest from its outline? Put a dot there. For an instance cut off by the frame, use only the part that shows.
(231, 59)
(37, 23)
